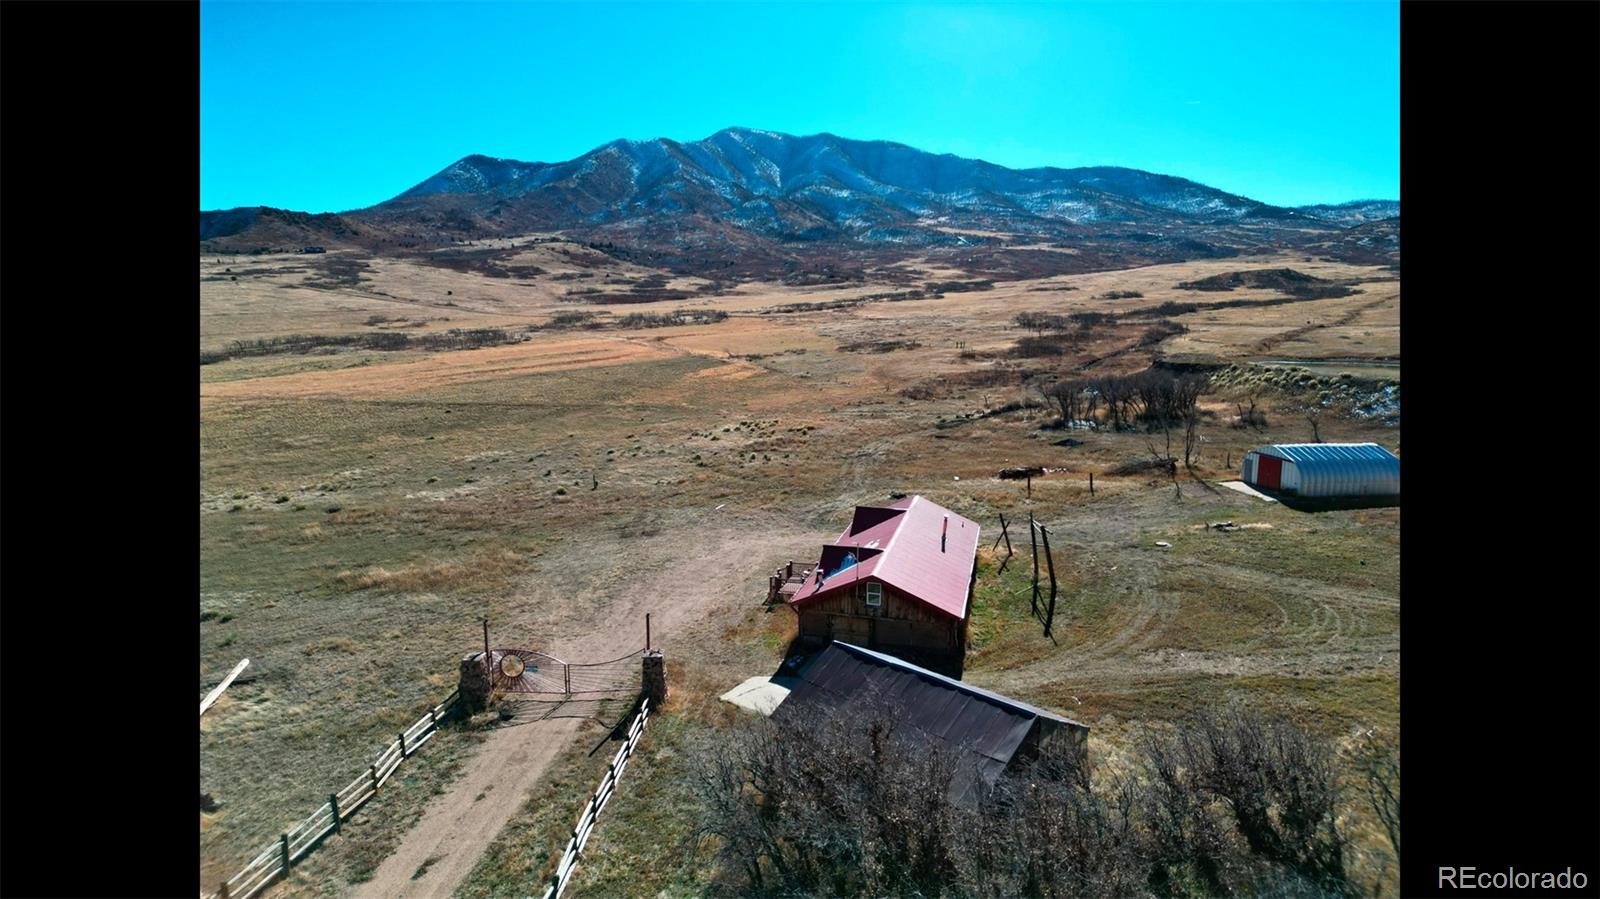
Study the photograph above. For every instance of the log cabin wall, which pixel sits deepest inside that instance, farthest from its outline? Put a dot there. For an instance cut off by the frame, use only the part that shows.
(901, 622)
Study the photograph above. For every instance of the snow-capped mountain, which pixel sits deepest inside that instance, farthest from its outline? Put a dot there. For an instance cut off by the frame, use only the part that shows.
(820, 186)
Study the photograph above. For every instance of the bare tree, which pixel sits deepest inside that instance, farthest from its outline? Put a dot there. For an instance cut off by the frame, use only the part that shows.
(1279, 785)
(1187, 841)
(1378, 766)
(1250, 418)
(1313, 413)
(1069, 396)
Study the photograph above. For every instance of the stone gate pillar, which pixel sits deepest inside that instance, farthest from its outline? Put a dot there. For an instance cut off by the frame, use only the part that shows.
(474, 683)
(655, 678)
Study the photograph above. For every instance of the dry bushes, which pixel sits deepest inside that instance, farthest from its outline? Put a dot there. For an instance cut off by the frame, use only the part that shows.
(387, 341)
(945, 385)
(1229, 802)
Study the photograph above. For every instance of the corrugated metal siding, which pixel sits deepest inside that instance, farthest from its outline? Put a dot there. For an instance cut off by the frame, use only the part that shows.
(1333, 469)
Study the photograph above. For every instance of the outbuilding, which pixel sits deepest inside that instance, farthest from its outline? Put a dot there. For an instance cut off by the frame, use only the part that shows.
(899, 579)
(991, 733)
(1324, 469)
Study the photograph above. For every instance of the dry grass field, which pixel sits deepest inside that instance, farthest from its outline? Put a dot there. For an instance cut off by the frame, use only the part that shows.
(362, 509)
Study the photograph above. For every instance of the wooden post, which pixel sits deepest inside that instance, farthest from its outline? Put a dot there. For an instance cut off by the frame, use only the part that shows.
(223, 892)
(647, 632)
(1030, 485)
(486, 663)
(1033, 540)
(1006, 536)
(374, 770)
(283, 845)
(1091, 483)
(333, 800)
(1050, 616)
(402, 744)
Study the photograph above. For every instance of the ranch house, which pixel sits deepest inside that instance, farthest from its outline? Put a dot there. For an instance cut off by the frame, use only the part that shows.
(899, 580)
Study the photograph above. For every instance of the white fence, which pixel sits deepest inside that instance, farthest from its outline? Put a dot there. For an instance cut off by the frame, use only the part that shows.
(591, 812)
(281, 854)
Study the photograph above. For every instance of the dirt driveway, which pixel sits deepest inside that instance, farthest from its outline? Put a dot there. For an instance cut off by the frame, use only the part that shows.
(458, 826)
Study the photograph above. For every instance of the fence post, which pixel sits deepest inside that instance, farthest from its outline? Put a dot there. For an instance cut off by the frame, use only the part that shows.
(223, 893)
(333, 800)
(402, 744)
(1091, 483)
(1049, 559)
(283, 843)
(1033, 542)
(374, 770)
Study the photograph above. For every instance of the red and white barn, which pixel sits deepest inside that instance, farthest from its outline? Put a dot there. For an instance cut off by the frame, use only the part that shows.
(898, 580)
(1323, 469)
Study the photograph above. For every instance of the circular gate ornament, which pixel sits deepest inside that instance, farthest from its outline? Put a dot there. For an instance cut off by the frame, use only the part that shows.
(512, 666)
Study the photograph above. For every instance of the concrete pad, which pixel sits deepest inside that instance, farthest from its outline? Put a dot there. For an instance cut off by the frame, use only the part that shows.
(760, 694)
(1247, 490)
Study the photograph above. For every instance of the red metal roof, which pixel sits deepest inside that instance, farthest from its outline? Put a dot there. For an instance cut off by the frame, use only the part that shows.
(905, 538)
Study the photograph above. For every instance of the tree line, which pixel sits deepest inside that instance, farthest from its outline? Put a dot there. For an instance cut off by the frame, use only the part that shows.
(453, 339)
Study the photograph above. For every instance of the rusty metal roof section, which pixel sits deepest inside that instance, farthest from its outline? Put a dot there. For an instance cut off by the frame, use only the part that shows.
(985, 726)
(916, 546)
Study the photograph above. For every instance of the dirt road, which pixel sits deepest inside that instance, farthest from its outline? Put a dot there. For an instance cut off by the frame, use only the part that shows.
(436, 856)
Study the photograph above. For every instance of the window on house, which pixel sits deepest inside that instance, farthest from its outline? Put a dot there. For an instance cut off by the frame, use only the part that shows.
(874, 594)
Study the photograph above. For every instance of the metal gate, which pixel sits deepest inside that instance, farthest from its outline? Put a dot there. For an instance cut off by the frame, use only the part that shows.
(534, 672)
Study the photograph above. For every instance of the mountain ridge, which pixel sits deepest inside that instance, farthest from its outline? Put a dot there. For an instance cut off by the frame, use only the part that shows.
(763, 190)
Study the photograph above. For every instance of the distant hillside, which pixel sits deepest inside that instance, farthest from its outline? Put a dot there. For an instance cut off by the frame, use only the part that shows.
(1355, 212)
(809, 188)
(749, 197)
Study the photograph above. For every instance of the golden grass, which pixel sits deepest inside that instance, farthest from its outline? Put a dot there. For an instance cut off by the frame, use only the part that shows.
(437, 468)
(478, 573)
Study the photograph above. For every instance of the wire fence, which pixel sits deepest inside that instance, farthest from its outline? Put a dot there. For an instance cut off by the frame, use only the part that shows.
(591, 812)
(280, 855)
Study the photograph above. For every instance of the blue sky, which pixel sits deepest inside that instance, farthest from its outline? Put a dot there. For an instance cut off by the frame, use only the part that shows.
(331, 106)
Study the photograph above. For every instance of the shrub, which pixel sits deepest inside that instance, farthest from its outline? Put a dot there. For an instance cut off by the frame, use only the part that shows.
(1229, 802)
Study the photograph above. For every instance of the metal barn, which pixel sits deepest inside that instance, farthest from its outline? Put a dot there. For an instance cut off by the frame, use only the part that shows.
(1324, 469)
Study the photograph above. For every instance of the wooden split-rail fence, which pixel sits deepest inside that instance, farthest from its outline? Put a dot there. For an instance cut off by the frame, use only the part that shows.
(282, 854)
(591, 812)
